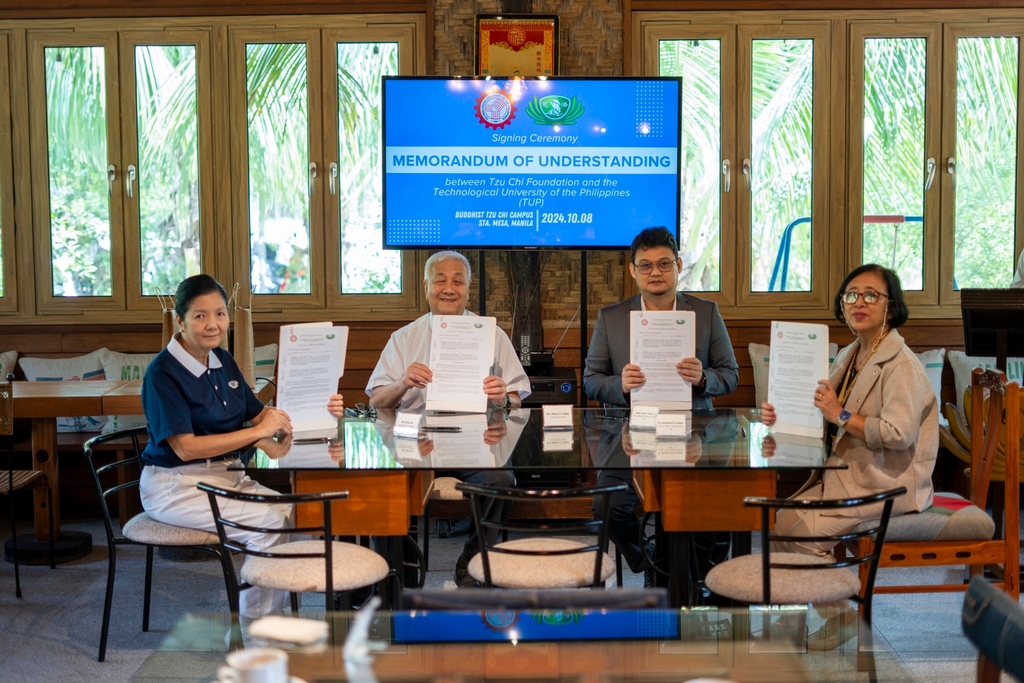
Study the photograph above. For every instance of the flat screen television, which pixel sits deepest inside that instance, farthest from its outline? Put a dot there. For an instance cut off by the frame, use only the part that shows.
(528, 163)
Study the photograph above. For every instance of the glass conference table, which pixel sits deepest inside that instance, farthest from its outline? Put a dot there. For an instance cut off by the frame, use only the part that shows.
(648, 646)
(693, 483)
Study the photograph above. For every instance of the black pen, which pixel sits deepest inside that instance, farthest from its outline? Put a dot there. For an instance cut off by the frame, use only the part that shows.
(324, 439)
(442, 430)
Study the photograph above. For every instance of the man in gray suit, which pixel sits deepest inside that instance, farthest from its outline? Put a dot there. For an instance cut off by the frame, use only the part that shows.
(610, 377)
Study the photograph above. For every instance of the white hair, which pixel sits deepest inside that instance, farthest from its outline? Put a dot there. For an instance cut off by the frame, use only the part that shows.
(441, 257)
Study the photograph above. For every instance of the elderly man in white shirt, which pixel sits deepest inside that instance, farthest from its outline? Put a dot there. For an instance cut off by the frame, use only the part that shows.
(401, 376)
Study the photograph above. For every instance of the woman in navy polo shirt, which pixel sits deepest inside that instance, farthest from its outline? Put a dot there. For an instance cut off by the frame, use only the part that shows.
(198, 404)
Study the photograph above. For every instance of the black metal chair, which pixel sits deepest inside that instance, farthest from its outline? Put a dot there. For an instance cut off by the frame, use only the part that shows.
(19, 479)
(796, 578)
(542, 560)
(317, 566)
(141, 529)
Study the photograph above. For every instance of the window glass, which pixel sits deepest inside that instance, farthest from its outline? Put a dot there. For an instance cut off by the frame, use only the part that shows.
(168, 169)
(365, 267)
(894, 156)
(277, 115)
(782, 106)
(76, 129)
(986, 161)
(699, 63)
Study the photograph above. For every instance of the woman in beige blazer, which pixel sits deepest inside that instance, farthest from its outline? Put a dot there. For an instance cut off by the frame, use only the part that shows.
(883, 418)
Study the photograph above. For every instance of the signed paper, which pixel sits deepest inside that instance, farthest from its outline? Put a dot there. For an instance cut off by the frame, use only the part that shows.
(659, 340)
(798, 360)
(461, 356)
(312, 359)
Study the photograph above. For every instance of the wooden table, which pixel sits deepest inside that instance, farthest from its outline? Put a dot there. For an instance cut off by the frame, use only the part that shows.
(702, 493)
(43, 403)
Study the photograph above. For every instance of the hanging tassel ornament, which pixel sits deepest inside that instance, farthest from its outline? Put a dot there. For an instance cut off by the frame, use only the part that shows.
(245, 349)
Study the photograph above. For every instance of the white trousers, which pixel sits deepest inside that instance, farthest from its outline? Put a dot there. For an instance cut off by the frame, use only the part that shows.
(169, 495)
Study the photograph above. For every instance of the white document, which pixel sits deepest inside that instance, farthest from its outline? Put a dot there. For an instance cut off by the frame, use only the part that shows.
(461, 356)
(310, 362)
(798, 360)
(657, 341)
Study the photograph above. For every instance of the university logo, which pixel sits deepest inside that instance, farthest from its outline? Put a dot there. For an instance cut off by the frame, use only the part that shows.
(495, 109)
(555, 110)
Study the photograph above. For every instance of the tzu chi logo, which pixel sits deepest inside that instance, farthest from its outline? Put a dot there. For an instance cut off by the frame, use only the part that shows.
(643, 321)
(444, 325)
(495, 109)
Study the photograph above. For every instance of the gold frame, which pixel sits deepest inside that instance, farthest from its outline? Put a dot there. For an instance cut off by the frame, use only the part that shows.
(543, 26)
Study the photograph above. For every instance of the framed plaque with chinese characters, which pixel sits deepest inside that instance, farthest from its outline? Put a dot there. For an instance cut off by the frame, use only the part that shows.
(517, 44)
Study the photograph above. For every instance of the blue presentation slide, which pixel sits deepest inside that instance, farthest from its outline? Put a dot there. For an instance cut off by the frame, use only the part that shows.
(534, 625)
(571, 163)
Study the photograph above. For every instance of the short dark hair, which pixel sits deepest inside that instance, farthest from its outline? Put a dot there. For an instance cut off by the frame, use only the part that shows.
(898, 313)
(192, 287)
(649, 238)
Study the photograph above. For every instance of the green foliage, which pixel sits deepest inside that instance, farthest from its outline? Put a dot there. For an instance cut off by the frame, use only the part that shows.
(698, 62)
(365, 267)
(77, 155)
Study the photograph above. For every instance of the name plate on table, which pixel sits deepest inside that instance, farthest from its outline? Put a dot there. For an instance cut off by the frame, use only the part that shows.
(407, 425)
(643, 417)
(672, 425)
(642, 441)
(557, 417)
(557, 441)
(407, 449)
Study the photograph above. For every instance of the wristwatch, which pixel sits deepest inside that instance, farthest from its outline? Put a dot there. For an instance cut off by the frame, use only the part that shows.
(844, 417)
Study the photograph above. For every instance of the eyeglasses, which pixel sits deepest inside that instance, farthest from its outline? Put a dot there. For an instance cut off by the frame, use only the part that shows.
(870, 297)
(646, 267)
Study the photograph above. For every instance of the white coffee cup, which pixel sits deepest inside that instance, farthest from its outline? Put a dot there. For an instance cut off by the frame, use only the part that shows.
(256, 665)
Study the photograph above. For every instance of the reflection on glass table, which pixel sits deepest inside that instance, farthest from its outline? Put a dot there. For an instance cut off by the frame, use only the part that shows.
(600, 439)
(567, 645)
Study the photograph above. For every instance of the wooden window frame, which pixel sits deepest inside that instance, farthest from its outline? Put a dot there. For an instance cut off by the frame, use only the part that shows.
(343, 306)
(948, 297)
(932, 33)
(46, 302)
(9, 267)
(200, 39)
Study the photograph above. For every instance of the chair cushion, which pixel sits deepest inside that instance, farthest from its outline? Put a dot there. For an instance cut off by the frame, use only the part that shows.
(144, 529)
(354, 567)
(22, 479)
(444, 489)
(950, 518)
(740, 579)
(537, 571)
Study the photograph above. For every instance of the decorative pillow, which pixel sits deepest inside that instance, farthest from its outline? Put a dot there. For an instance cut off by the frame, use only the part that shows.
(760, 354)
(79, 369)
(8, 359)
(265, 361)
(933, 360)
(124, 366)
(963, 365)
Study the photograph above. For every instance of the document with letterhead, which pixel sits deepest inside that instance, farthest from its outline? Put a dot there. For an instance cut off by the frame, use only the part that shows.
(461, 356)
(311, 361)
(658, 340)
(798, 360)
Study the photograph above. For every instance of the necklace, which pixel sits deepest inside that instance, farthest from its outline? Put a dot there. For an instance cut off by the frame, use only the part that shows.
(852, 372)
(874, 347)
